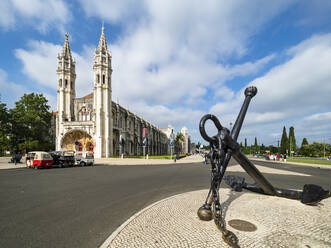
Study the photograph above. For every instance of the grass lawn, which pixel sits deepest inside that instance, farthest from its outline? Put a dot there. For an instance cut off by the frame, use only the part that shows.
(310, 161)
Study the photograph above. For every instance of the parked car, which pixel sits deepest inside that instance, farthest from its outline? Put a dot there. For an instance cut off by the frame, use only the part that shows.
(16, 158)
(38, 159)
(84, 158)
(63, 158)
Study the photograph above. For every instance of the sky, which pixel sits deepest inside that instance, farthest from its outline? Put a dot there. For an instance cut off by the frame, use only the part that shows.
(175, 61)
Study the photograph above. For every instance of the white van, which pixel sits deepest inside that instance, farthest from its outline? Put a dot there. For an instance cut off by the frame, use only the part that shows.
(84, 158)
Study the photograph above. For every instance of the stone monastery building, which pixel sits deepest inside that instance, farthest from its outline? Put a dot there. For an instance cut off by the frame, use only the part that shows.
(94, 122)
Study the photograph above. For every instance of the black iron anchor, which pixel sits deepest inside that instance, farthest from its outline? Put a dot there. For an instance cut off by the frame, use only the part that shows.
(223, 146)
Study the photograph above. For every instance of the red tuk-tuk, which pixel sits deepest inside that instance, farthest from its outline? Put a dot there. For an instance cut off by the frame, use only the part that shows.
(38, 159)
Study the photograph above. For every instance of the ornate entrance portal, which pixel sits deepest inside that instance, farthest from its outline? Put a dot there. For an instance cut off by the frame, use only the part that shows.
(77, 140)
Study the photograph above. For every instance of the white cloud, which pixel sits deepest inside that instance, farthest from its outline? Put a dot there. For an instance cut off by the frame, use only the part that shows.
(161, 116)
(173, 54)
(40, 63)
(295, 93)
(224, 92)
(7, 18)
(41, 14)
(301, 85)
(113, 11)
(176, 50)
(319, 117)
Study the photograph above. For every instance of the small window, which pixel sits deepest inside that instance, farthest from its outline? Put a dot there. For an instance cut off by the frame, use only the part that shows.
(60, 82)
(47, 156)
(103, 79)
(71, 85)
(98, 78)
(66, 83)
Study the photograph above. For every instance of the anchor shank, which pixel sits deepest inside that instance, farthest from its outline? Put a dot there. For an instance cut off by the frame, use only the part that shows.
(250, 92)
(254, 173)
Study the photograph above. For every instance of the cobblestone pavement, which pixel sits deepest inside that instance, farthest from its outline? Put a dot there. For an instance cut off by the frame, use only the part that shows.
(280, 222)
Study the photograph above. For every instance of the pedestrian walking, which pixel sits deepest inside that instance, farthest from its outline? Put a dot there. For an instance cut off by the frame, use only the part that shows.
(285, 158)
(175, 158)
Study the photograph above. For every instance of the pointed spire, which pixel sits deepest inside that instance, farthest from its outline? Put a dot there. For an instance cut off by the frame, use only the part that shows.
(66, 53)
(102, 47)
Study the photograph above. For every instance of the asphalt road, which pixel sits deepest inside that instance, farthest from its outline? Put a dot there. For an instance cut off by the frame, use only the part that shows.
(81, 207)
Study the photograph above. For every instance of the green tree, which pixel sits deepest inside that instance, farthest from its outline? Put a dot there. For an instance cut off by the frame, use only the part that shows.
(273, 149)
(4, 128)
(262, 149)
(304, 150)
(304, 142)
(284, 142)
(315, 149)
(245, 149)
(292, 143)
(256, 146)
(30, 121)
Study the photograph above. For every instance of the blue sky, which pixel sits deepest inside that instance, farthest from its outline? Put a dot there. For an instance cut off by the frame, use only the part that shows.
(175, 61)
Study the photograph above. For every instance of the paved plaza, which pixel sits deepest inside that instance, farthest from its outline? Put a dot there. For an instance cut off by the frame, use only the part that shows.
(279, 222)
(173, 222)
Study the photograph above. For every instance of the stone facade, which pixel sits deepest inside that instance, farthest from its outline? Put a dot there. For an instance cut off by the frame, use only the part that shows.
(170, 129)
(95, 122)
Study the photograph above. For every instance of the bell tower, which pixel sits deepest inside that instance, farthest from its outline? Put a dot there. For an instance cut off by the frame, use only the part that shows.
(66, 75)
(102, 99)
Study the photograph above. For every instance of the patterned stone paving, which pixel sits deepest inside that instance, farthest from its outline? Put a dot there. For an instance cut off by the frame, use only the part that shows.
(280, 222)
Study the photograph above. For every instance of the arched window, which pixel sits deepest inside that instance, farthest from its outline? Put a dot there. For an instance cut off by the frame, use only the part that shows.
(71, 85)
(60, 82)
(103, 79)
(66, 83)
(98, 78)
